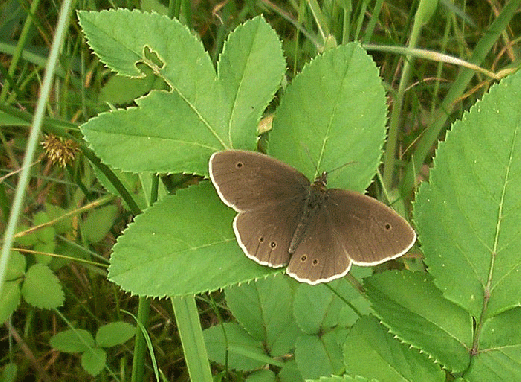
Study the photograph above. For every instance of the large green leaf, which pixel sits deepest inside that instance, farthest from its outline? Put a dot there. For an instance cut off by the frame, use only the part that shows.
(268, 330)
(372, 352)
(415, 311)
(250, 69)
(499, 356)
(318, 309)
(177, 131)
(317, 356)
(182, 245)
(468, 218)
(324, 313)
(333, 113)
(232, 341)
(266, 318)
(468, 215)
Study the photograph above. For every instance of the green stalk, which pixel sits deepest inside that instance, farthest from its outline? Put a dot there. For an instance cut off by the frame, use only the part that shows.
(320, 19)
(32, 142)
(140, 346)
(191, 333)
(346, 25)
(143, 312)
(423, 14)
(429, 138)
(368, 34)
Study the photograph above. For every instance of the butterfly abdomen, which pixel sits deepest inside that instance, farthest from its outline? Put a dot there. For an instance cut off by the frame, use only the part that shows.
(314, 201)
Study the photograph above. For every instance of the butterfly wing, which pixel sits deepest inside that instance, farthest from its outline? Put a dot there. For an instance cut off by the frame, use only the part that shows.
(247, 180)
(368, 230)
(348, 228)
(265, 233)
(269, 196)
(320, 256)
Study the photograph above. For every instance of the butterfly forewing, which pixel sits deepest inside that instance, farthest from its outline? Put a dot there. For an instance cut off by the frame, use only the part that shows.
(369, 231)
(246, 180)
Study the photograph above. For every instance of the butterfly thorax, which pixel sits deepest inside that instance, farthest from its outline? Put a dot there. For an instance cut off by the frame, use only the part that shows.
(320, 182)
(314, 201)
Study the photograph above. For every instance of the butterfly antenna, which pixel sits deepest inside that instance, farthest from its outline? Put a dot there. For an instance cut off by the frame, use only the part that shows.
(342, 166)
(316, 168)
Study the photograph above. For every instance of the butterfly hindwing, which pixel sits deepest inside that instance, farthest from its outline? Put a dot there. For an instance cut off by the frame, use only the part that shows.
(264, 236)
(369, 231)
(319, 257)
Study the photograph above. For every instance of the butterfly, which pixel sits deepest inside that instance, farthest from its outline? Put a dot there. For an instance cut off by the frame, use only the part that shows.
(285, 220)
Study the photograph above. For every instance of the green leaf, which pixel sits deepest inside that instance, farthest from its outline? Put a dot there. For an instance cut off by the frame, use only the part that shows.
(166, 132)
(44, 248)
(173, 132)
(311, 306)
(411, 306)
(333, 113)
(15, 267)
(131, 181)
(7, 119)
(317, 308)
(10, 299)
(42, 288)
(63, 225)
(318, 356)
(182, 245)
(499, 357)
(121, 89)
(25, 240)
(336, 378)
(290, 373)
(178, 131)
(115, 333)
(9, 373)
(44, 238)
(11, 293)
(93, 360)
(46, 234)
(372, 352)
(190, 74)
(261, 376)
(250, 69)
(73, 341)
(468, 214)
(264, 309)
(98, 223)
(244, 352)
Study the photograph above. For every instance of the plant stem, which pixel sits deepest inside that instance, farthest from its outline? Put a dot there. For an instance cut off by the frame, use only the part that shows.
(140, 347)
(191, 333)
(390, 150)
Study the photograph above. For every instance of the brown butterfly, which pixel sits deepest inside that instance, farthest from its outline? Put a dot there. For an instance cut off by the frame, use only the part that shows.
(285, 220)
